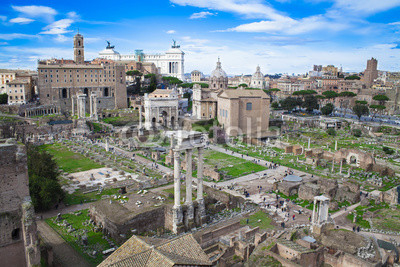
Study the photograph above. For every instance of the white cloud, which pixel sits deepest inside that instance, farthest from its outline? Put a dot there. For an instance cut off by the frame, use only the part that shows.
(291, 26)
(201, 15)
(366, 7)
(249, 8)
(73, 15)
(61, 38)
(21, 20)
(58, 27)
(171, 32)
(36, 11)
(12, 36)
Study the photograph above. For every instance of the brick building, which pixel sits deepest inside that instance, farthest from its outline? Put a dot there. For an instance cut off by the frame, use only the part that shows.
(61, 80)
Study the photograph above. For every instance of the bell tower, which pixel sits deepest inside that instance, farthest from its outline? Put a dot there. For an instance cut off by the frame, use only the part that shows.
(79, 57)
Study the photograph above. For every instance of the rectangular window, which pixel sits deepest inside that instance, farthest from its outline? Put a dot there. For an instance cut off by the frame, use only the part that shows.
(249, 106)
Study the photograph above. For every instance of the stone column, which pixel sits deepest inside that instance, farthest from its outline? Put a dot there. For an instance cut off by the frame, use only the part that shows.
(333, 165)
(189, 203)
(177, 216)
(341, 166)
(201, 216)
(313, 213)
(73, 106)
(335, 145)
(309, 143)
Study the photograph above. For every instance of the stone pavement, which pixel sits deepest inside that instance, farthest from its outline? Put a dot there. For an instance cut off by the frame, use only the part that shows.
(345, 211)
(64, 254)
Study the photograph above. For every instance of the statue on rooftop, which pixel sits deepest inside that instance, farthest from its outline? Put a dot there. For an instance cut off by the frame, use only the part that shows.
(109, 46)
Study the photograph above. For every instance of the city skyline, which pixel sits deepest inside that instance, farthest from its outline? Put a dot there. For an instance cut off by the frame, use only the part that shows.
(281, 36)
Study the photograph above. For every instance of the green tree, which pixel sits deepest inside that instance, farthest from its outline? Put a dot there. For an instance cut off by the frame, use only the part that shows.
(243, 85)
(310, 103)
(171, 80)
(203, 85)
(134, 73)
(3, 99)
(360, 110)
(347, 94)
(44, 188)
(361, 102)
(376, 109)
(381, 99)
(275, 105)
(330, 94)
(290, 103)
(303, 93)
(352, 77)
(327, 109)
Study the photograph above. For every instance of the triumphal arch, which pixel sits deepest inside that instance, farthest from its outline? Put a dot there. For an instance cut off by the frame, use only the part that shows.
(161, 109)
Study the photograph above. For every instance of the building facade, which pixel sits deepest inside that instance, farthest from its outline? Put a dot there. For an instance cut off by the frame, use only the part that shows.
(170, 63)
(244, 112)
(257, 80)
(19, 91)
(61, 81)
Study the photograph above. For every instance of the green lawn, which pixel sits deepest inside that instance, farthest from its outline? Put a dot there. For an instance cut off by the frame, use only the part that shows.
(70, 161)
(95, 239)
(265, 222)
(79, 197)
(231, 166)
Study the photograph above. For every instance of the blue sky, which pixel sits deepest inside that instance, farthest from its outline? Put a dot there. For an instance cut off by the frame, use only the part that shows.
(282, 36)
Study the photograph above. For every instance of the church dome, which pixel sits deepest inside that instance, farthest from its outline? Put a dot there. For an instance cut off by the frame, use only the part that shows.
(218, 72)
(258, 74)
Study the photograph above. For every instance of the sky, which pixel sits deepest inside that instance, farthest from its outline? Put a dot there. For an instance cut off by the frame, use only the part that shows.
(281, 36)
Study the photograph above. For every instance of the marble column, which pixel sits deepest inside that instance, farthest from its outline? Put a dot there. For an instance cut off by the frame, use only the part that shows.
(189, 202)
(177, 216)
(177, 179)
(73, 106)
(201, 209)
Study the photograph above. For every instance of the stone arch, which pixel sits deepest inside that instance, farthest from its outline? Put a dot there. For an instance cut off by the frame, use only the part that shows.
(353, 158)
(153, 122)
(164, 117)
(172, 122)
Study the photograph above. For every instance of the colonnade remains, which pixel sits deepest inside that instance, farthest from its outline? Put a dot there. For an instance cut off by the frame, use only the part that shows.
(185, 216)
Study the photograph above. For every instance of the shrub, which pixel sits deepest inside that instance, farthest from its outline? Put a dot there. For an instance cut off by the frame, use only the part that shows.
(331, 132)
(357, 132)
(388, 150)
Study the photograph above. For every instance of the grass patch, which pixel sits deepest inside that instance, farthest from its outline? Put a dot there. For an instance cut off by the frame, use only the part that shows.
(258, 219)
(230, 166)
(70, 161)
(78, 197)
(79, 222)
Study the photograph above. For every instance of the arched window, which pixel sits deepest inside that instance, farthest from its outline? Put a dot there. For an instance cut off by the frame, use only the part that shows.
(106, 91)
(79, 52)
(64, 93)
(79, 43)
(86, 91)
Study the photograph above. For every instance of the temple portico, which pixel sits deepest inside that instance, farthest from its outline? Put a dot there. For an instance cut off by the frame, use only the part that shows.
(186, 216)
